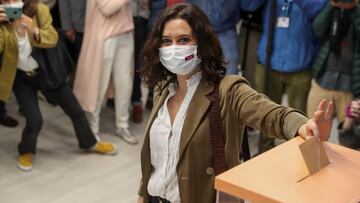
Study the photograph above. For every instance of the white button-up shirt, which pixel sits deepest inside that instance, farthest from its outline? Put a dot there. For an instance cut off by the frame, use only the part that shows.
(165, 145)
(25, 62)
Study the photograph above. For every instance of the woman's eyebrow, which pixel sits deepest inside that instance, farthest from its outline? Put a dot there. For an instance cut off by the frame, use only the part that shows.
(184, 35)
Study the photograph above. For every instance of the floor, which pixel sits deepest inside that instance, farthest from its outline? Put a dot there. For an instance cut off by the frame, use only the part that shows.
(63, 173)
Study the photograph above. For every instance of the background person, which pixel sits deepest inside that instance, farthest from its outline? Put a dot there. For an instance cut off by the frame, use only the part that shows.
(106, 63)
(72, 18)
(336, 69)
(19, 37)
(293, 48)
(141, 12)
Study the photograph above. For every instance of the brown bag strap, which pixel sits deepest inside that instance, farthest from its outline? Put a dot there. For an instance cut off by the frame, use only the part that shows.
(217, 134)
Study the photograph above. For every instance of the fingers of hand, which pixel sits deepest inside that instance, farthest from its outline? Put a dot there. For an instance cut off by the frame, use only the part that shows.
(319, 116)
(26, 20)
(25, 17)
(321, 106)
(3, 15)
(327, 108)
(2, 19)
(329, 111)
(313, 128)
(27, 23)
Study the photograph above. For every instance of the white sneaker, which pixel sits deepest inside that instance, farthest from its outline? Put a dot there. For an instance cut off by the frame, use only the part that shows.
(126, 135)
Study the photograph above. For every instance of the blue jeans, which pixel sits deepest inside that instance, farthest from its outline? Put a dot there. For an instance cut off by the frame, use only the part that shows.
(230, 46)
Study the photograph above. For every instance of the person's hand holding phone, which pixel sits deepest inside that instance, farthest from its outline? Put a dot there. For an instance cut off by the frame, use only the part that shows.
(3, 16)
(349, 4)
(28, 23)
(30, 26)
(70, 35)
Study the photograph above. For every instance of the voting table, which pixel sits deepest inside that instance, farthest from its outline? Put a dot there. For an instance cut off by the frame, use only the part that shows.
(281, 175)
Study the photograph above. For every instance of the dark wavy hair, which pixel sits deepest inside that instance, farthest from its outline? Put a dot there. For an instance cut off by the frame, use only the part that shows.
(209, 49)
(30, 7)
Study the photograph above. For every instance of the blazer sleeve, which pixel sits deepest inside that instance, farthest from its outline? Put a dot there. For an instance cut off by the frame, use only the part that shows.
(65, 15)
(110, 7)
(48, 34)
(257, 111)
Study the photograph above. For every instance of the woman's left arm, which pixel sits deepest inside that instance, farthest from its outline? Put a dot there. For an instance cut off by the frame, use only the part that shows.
(257, 111)
(46, 36)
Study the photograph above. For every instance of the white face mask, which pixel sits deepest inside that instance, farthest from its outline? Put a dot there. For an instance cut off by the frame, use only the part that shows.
(179, 59)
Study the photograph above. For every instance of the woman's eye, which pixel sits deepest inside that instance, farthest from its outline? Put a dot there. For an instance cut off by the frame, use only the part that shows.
(165, 42)
(183, 40)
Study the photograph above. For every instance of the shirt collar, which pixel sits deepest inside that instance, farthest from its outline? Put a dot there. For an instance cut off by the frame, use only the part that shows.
(193, 81)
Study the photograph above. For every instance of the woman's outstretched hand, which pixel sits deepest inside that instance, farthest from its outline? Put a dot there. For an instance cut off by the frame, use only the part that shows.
(320, 125)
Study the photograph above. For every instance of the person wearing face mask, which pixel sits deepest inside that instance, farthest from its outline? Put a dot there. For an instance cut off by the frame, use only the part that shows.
(183, 61)
(20, 34)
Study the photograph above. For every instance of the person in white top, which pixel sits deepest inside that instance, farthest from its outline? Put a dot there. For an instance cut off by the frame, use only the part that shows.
(19, 35)
(183, 61)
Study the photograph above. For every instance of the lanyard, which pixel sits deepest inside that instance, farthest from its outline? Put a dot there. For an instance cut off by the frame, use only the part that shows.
(286, 8)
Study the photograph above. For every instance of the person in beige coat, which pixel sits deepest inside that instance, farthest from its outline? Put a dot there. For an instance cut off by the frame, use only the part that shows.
(107, 60)
(183, 60)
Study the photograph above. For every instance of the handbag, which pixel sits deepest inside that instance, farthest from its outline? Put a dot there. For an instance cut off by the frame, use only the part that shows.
(54, 65)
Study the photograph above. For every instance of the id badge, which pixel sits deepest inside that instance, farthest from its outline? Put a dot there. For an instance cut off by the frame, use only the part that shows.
(283, 22)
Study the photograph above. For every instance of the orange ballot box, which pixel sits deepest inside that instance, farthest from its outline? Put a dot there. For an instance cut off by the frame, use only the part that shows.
(281, 175)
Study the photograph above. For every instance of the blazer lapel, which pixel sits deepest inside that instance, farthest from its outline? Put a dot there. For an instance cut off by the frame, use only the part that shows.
(195, 113)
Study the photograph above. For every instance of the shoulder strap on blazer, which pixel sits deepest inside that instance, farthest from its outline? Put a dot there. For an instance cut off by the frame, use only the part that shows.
(217, 134)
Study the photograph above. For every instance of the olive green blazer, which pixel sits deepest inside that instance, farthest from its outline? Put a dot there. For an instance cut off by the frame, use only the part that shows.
(9, 49)
(240, 106)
